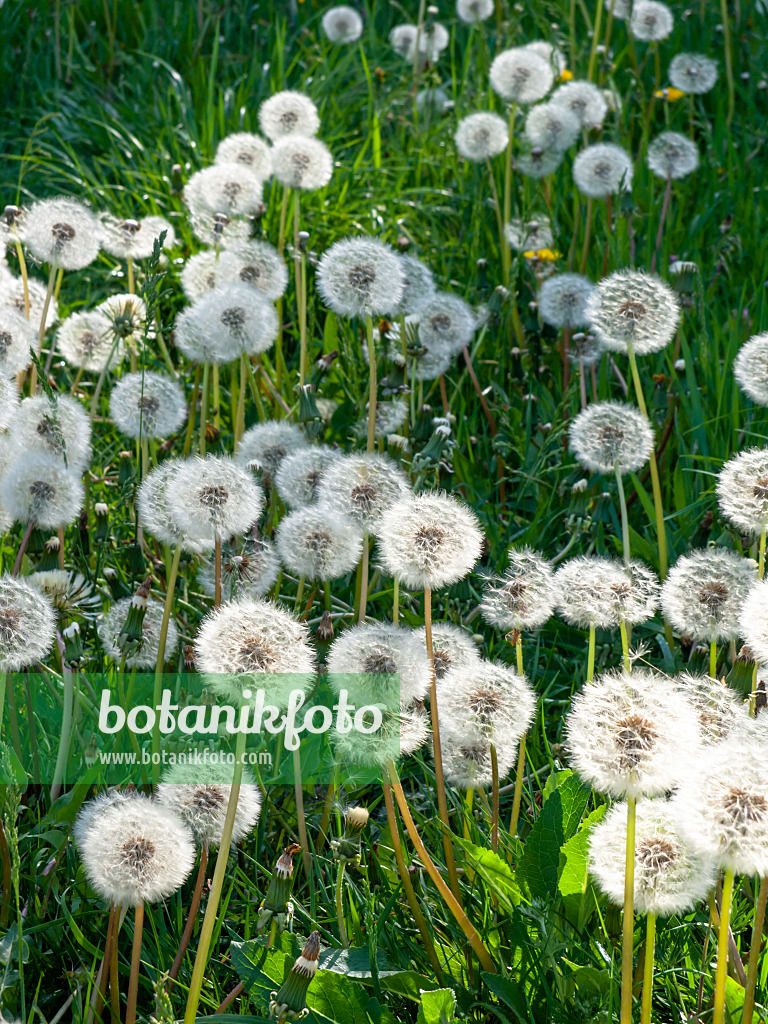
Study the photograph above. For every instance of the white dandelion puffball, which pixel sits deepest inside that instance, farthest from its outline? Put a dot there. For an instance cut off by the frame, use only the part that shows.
(299, 473)
(41, 489)
(230, 189)
(538, 163)
(719, 709)
(630, 735)
(632, 308)
(342, 25)
(742, 490)
(247, 149)
(265, 445)
(134, 850)
(379, 662)
(9, 401)
(468, 758)
(651, 21)
(63, 233)
(242, 641)
(429, 541)
(753, 619)
(599, 592)
(602, 169)
(532, 235)
(388, 419)
(319, 546)
(288, 113)
(248, 569)
(147, 404)
(585, 349)
(206, 270)
(521, 75)
(27, 624)
(452, 648)
(302, 162)
(360, 277)
(402, 39)
(584, 100)
(722, 805)
(363, 486)
(750, 368)
(232, 320)
(127, 316)
(609, 437)
(402, 732)
(199, 795)
(446, 324)
(705, 591)
(418, 286)
(472, 11)
(622, 9)
(433, 102)
(554, 57)
(669, 878)
(552, 126)
(57, 427)
(693, 73)
(562, 300)
(433, 39)
(13, 298)
(86, 340)
(146, 657)
(218, 229)
(213, 497)
(17, 337)
(482, 136)
(490, 699)
(135, 239)
(672, 155)
(257, 264)
(525, 596)
(155, 514)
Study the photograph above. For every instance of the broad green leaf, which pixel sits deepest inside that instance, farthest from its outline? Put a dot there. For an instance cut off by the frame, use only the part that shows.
(573, 873)
(407, 984)
(510, 993)
(559, 818)
(437, 1006)
(734, 1004)
(355, 962)
(494, 871)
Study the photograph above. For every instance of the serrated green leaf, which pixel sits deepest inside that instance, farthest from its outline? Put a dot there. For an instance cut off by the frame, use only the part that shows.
(495, 872)
(437, 1006)
(540, 864)
(573, 869)
(734, 1003)
(355, 962)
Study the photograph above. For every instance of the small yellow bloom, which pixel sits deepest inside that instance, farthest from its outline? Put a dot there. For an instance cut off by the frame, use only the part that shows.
(544, 255)
(670, 94)
(565, 75)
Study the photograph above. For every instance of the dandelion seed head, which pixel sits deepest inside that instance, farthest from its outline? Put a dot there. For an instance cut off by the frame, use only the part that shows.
(249, 568)
(402, 39)
(12, 297)
(247, 149)
(379, 662)
(418, 286)
(672, 155)
(231, 320)
(585, 349)
(298, 474)
(27, 624)
(62, 233)
(753, 617)
(562, 300)
(302, 162)
(750, 368)
(134, 850)
(342, 24)
(155, 513)
(429, 541)
(669, 878)
(446, 324)
(403, 731)
(230, 189)
(554, 57)
(524, 597)
(389, 418)
(704, 593)
(453, 649)
(288, 113)
(360, 277)
(584, 100)
(622, 9)
(39, 488)
(219, 229)
(719, 709)
(472, 11)
(594, 591)
(127, 317)
(609, 436)
(135, 239)
(693, 73)
(491, 699)
(363, 486)
(481, 137)
(602, 169)
(85, 340)
(651, 21)
(207, 270)
(112, 622)
(257, 264)
(552, 126)
(213, 497)
(628, 735)
(199, 795)
(539, 163)
(265, 445)
(630, 307)
(530, 235)
(58, 427)
(17, 336)
(467, 759)
(147, 404)
(742, 490)
(521, 75)
(9, 401)
(317, 545)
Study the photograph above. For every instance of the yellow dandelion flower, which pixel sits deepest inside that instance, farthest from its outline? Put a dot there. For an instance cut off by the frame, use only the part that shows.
(544, 255)
(565, 75)
(670, 94)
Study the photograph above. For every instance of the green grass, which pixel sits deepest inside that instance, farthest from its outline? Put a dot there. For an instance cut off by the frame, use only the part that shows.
(101, 101)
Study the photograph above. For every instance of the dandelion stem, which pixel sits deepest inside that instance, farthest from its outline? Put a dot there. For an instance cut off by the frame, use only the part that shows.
(216, 396)
(211, 911)
(300, 817)
(624, 644)
(661, 532)
(728, 64)
(662, 218)
(442, 802)
(628, 924)
(506, 254)
(131, 281)
(518, 797)
(494, 799)
(340, 906)
(41, 329)
(395, 600)
(650, 948)
(67, 676)
(754, 953)
(451, 902)
(405, 879)
(595, 41)
(713, 659)
(371, 383)
(623, 510)
(114, 978)
(170, 588)
(204, 408)
(191, 917)
(591, 653)
(299, 596)
(24, 277)
(587, 230)
(363, 575)
(133, 982)
(22, 548)
(240, 415)
(722, 947)
(761, 554)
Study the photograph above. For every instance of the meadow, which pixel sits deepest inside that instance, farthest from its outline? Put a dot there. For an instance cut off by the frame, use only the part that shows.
(414, 353)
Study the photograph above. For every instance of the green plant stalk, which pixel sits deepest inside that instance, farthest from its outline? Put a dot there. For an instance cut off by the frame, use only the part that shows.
(41, 328)
(217, 570)
(363, 577)
(625, 550)
(628, 922)
(595, 41)
(728, 64)
(192, 416)
(170, 588)
(24, 277)
(650, 949)
(587, 228)
(131, 279)
(371, 383)
(625, 645)
(718, 1016)
(340, 906)
(395, 600)
(299, 596)
(211, 911)
(133, 981)
(301, 819)
(494, 799)
(591, 654)
(189, 926)
(518, 796)
(452, 903)
(506, 254)
(204, 408)
(754, 953)
(67, 676)
(713, 659)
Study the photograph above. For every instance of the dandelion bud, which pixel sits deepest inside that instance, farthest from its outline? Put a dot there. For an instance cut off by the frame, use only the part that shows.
(188, 654)
(347, 848)
(277, 904)
(177, 179)
(324, 631)
(118, 588)
(130, 639)
(50, 557)
(290, 1002)
(125, 469)
(73, 643)
(84, 531)
(101, 511)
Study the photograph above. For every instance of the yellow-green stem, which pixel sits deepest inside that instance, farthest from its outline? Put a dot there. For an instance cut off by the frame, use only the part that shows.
(518, 795)
(754, 953)
(661, 532)
(170, 588)
(24, 277)
(204, 409)
(650, 948)
(133, 983)
(713, 659)
(300, 817)
(340, 905)
(625, 644)
(506, 255)
(494, 799)
(371, 383)
(595, 41)
(728, 64)
(591, 653)
(628, 924)
(722, 947)
(131, 280)
(624, 519)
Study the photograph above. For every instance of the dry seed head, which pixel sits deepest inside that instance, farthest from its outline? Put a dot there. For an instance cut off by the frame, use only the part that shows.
(603, 169)
(147, 404)
(146, 657)
(525, 596)
(342, 24)
(705, 591)
(264, 446)
(630, 307)
(288, 113)
(63, 233)
(520, 75)
(247, 149)
(317, 545)
(584, 100)
(481, 137)
(200, 796)
(651, 21)
(611, 436)
(360, 277)
(379, 662)
(672, 155)
(693, 73)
